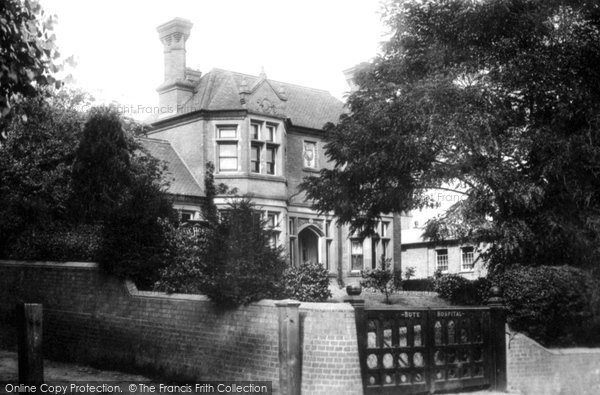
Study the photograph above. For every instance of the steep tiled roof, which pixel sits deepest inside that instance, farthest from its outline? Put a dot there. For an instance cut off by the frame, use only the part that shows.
(227, 90)
(178, 175)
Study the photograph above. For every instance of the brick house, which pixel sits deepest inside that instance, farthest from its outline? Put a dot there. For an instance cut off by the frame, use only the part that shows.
(428, 257)
(263, 137)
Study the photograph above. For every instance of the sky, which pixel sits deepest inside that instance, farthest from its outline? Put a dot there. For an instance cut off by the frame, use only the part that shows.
(307, 42)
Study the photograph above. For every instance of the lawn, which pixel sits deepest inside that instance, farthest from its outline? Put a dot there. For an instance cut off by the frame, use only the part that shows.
(373, 299)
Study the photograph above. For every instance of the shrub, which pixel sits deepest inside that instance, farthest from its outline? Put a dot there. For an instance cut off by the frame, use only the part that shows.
(232, 261)
(552, 305)
(185, 273)
(37, 145)
(448, 286)
(409, 272)
(137, 236)
(418, 284)
(308, 282)
(241, 264)
(381, 280)
(102, 170)
(57, 242)
(458, 290)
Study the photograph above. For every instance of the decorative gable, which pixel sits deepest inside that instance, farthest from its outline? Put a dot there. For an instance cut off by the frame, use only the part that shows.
(263, 99)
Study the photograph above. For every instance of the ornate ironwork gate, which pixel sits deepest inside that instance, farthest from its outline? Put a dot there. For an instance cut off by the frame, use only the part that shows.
(412, 351)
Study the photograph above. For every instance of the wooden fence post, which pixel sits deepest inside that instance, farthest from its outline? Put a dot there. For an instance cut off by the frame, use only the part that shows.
(498, 339)
(290, 370)
(29, 333)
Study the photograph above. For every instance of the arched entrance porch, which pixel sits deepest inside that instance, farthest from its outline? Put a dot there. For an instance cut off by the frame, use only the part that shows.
(309, 245)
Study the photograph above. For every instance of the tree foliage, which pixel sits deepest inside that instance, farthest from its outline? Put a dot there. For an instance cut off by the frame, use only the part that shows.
(27, 51)
(502, 97)
(117, 184)
(36, 159)
(308, 282)
(102, 172)
(232, 260)
(381, 280)
(553, 305)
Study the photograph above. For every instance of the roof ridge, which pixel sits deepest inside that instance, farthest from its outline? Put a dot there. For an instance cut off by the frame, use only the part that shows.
(272, 80)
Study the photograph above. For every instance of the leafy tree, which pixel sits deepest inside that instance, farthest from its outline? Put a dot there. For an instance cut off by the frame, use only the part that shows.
(232, 260)
(137, 237)
(502, 97)
(36, 159)
(552, 304)
(27, 52)
(242, 264)
(102, 172)
(118, 184)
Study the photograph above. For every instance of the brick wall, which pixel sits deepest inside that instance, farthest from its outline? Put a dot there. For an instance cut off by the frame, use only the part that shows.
(91, 317)
(533, 369)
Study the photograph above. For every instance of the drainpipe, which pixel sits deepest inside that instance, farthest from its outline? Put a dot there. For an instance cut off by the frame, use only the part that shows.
(340, 273)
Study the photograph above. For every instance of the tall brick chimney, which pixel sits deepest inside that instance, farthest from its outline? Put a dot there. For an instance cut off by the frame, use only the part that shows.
(177, 86)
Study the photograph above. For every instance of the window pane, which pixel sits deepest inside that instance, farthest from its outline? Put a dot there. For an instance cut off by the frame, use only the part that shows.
(357, 262)
(270, 133)
(254, 153)
(327, 254)
(357, 255)
(255, 159)
(228, 164)
(467, 258)
(227, 133)
(186, 215)
(442, 260)
(270, 160)
(357, 248)
(271, 220)
(228, 150)
(274, 239)
(254, 131)
(384, 229)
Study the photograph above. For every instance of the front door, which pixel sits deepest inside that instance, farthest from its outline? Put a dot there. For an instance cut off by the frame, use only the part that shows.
(309, 246)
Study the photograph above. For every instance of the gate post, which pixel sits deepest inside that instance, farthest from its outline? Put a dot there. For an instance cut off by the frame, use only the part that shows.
(290, 370)
(360, 320)
(498, 339)
(29, 333)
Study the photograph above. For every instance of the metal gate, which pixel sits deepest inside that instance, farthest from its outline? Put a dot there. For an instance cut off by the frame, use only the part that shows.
(413, 351)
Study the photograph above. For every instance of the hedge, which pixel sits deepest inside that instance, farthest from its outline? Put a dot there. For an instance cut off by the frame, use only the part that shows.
(551, 304)
(418, 284)
(57, 242)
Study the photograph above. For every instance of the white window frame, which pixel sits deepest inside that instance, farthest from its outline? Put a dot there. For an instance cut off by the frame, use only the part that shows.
(264, 143)
(227, 140)
(352, 255)
(464, 265)
(441, 260)
(253, 169)
(274, 226)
